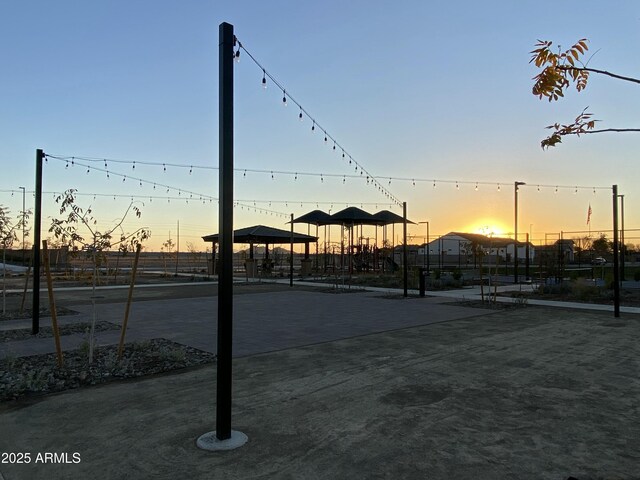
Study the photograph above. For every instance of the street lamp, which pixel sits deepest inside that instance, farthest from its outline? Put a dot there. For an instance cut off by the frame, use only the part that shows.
(515, 243)
(426, 246)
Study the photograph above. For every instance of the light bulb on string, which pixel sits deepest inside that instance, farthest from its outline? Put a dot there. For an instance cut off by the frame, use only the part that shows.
(264, 79)
(476, 186)
(164, 167)
(389, 180)
(594, 191)
(284, 98)
(238, 55)
(413, 181)
(244, 174)
(133, 167)
(498, 187)
(190, 169)
(434, 184)
(313, 126)
(325, 137)
(538, 187)
(457, 186)
(556, 190)
(344, 179)
(87, 170)
(271, 175)
(576, 191)
(300, 114)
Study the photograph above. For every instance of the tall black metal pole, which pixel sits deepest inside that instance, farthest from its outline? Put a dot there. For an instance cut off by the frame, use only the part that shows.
(616, 264)
(291, 260)
(515, 240)
(225, 275)
(405, 272)
(35, 301)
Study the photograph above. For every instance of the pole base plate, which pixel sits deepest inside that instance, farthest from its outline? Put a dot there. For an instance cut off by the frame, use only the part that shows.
(210, 442)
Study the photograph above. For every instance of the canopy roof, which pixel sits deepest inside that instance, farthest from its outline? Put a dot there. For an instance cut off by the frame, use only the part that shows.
(385, 217)
(316, 217)
(353, 216)
(263, 235)
(350, 216)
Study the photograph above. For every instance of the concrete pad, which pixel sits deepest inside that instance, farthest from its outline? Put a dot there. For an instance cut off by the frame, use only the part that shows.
(531, 393)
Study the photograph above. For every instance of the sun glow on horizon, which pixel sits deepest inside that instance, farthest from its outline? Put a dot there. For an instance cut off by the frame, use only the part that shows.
(489, 227)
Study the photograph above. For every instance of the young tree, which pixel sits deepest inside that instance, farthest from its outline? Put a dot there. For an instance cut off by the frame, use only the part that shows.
(559, 71)
(166, 252)
(69, 231)
(601, 245)
(8, 235)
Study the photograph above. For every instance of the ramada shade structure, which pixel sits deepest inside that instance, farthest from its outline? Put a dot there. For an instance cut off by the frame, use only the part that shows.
(261, 234)
(350, 216)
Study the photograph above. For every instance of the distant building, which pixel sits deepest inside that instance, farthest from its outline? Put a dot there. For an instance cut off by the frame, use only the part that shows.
(457, 249)
(562, 248)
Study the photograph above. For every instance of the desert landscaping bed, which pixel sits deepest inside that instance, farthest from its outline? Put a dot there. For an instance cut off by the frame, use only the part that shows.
(39, 374)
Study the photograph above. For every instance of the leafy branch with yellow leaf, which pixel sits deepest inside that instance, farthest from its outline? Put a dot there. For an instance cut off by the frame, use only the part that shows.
(559, 71)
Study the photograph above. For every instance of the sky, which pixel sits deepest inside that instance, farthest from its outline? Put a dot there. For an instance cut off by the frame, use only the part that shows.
(412, 90)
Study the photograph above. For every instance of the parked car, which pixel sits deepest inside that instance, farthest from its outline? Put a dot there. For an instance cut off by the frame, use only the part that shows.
(598, 261)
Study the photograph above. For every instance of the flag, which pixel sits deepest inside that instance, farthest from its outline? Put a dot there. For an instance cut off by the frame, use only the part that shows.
(589, 215)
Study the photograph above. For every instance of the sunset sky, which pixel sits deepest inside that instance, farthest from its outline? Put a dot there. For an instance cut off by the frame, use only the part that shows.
(428, 92)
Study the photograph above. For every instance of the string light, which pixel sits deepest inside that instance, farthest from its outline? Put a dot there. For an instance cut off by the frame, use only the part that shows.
(284, 98)
(264, 80)
(300, 114)
(476, 186)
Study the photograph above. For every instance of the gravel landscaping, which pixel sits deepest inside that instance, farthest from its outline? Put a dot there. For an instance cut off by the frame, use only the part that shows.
(47, 332)
(26, 313)
(40, 375)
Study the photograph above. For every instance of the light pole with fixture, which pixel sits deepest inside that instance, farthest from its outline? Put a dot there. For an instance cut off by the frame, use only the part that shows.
(426, 246)
(515, 243)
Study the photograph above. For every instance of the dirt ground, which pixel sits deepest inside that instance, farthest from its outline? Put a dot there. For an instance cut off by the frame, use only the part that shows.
(531, 393)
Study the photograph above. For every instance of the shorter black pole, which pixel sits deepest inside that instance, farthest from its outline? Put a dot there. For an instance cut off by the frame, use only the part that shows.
(616, 259)
(35, 301)
(291, 259)
(405, 272)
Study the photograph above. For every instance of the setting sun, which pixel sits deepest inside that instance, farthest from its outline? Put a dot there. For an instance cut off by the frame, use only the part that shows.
(489, 227)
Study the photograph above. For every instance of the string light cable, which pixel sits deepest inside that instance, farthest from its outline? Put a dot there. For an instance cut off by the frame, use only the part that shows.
(73, 160)
(327, 136)
(201, 196)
